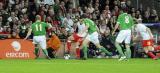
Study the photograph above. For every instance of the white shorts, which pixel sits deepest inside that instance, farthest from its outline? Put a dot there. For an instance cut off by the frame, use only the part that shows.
(93, 37)
(40, 40)
(145, 35)
(124, 35)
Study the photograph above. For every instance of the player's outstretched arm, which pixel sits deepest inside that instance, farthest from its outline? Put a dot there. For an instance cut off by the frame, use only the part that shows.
(28, 34)
(150, 33)
(115, 28)
(49, 26)
(97, 29)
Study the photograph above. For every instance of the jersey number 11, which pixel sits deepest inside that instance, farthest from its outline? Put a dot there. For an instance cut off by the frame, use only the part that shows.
(39, 27)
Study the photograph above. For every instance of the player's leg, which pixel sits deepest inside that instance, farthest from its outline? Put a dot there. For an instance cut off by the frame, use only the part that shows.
(69, 40)
(77, 50)
(42, 44)
(119, 39)
(148, 48)
(79, 43)
(85, 45)
(127, 44)
(128, 51)
(149, 53)
(103, 49)
(36, 50)
(95, 40)
(68, 49)
(156, 48)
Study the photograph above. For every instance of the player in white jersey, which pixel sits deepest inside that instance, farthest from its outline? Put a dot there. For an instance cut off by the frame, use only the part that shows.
(75, 37)
(147, 39)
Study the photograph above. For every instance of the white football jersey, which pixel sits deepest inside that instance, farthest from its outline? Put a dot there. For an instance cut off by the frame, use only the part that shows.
(142, 29)
(81, 27)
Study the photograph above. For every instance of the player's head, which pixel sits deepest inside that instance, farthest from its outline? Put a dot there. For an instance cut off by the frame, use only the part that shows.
(82, 17)
(123, 9)
(38, 17)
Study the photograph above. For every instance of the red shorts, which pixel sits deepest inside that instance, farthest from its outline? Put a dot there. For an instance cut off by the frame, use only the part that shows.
(76, 37)
(146, 43)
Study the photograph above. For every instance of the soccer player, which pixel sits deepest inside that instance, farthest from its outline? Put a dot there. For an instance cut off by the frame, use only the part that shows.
(147, 39)
(125, 22)
(76, 38)
(39, 39)
(92, 36)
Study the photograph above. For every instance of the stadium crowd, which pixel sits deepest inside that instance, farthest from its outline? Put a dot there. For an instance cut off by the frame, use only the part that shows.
(16, 16)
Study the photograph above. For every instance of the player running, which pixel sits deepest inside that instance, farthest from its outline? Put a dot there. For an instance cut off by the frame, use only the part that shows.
(76, 38)
(39, 39)
(125, 22)
(147, 39)
(92, 36)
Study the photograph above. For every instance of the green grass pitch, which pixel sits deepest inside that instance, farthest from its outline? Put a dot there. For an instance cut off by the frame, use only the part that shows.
(80, 66)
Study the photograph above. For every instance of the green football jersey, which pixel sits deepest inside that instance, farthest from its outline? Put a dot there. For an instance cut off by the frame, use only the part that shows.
(39, 28)
(125, 21)
(92, 27)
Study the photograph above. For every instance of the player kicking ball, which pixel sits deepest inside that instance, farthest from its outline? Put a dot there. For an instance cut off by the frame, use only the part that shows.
(125, 22)
(39, 35)
(92, 36)
(77, 38)
(147, 39)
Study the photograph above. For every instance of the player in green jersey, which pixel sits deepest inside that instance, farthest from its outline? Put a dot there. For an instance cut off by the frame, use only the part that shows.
(125, 22)
(92, 36)
(39, 35)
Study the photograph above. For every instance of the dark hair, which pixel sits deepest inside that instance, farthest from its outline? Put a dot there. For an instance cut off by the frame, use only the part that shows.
(83, 16)
(123, 8)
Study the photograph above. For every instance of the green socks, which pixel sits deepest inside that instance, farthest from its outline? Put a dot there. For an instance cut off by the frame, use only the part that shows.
(119, 49)
(102, 49)
(45, 52)
(105, 51)
(85, 51)
(128, 53)
(36, 50)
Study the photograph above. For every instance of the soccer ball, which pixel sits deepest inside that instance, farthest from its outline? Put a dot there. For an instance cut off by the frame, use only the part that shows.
(66, 57)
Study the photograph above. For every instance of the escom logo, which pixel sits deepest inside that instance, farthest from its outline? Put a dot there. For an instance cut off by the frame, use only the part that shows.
(16, 49)
(16, 45)
(17, 54)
